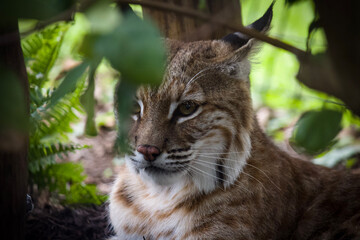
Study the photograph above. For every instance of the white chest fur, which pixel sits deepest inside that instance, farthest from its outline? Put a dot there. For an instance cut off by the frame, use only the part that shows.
(139, 211)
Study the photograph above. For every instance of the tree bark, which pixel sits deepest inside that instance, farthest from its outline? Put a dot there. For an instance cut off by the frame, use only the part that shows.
(13, 141)
(177, 26)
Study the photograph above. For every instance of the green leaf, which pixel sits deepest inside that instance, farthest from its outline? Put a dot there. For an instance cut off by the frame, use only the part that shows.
(67, 179)
(41, 49)
(88, 102)
(124, 96)
(139, 53)
(68, 84)
(291, 2)
(315, 130)
(103, 17)
(42, 155)
(134, 48)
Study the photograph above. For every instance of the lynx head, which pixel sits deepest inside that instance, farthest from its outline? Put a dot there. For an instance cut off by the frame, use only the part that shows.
(194, 128)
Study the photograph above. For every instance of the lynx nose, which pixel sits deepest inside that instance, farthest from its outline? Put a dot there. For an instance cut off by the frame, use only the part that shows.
(150, 152)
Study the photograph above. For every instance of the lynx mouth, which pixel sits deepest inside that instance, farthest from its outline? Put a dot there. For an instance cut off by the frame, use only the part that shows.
(160, 173)
(154, 170)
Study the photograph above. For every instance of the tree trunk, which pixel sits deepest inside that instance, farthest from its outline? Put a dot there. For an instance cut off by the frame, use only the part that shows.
(180, 27)
(13, 138)
(341, 65)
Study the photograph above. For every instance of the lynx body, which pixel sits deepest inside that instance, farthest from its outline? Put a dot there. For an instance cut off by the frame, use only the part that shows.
(201, 168)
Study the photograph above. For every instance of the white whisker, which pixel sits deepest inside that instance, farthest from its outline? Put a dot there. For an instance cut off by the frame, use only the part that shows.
(254, 179)
(264, 174)
(219, 153)
(212, 157)
(196, 76)
(234, 160)
(208, 174)
(230, 183)
(231, 168)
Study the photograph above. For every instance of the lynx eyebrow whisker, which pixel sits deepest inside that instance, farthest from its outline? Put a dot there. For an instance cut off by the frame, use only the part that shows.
(196, 76)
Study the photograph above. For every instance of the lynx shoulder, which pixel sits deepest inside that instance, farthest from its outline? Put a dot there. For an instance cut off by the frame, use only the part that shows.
(201, 168)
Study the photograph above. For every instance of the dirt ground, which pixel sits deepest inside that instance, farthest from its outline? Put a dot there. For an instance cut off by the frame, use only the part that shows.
(99, 160)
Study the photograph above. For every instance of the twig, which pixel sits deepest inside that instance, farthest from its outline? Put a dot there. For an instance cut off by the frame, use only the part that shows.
(67, 15)
(206, 17)
(64, 16)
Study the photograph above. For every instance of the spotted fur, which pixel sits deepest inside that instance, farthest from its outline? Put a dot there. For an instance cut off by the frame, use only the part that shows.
(217, 175)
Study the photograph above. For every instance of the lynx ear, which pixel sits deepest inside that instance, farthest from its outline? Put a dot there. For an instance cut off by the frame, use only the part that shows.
(237, 39)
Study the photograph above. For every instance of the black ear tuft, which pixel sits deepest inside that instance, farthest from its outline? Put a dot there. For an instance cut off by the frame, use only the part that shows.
(263, 23)
(238, 39)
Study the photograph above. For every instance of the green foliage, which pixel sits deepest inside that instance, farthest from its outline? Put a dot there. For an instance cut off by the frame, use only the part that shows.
(315, 130)
(40, 52)
(88, 102)
(123, 103)
(51, 113)
(67, 180)
(131, 44)
(274, 83)
(127, 43)
(69, 84)
(139, 45)
(43, 155)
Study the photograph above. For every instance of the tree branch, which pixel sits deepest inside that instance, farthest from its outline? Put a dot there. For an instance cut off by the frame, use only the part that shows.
(67, 15)
(206, 17)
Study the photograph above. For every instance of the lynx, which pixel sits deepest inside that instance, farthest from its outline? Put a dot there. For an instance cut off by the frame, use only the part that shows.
(201, 167)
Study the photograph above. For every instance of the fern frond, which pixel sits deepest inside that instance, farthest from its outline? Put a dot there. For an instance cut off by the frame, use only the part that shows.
(43, 155)
(46, 122)
(67, 180)
(40, 50)
(49, 125)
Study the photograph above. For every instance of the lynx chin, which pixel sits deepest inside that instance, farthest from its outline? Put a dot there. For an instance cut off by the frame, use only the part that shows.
(201, 168)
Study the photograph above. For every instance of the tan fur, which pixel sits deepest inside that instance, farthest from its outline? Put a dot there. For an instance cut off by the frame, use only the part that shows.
(263, 194)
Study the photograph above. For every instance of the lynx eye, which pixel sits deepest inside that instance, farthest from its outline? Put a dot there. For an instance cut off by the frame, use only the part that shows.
(187, 108)
(136, 108)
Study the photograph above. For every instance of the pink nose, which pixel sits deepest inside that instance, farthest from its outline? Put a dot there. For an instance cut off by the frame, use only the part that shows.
(150, 152)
